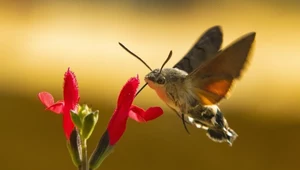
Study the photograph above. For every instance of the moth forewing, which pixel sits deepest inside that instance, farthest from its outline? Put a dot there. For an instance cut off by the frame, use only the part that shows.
(213, 79)
(206, 46)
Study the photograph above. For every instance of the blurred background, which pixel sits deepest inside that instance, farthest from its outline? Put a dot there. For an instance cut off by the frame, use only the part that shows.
(41, 39)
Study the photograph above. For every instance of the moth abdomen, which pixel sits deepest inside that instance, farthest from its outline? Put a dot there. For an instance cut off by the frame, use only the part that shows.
(211, 119)
(219, 135)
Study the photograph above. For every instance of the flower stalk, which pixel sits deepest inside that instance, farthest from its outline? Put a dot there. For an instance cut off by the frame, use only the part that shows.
(84, 163)
(85, 120)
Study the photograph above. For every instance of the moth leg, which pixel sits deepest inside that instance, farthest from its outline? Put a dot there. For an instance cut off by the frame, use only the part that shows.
(184, 124)
(180, 117)
(183, 110)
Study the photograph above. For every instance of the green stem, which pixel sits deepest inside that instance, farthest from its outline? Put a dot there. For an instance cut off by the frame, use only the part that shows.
(84, 163)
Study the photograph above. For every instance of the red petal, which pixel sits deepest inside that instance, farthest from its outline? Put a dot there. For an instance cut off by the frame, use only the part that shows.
(71, 94)
(68, 125)
(71, 99)
(57, 107)
(140, 115)
(117, 123)
(46, 98)
(135, 114)
(129, 89)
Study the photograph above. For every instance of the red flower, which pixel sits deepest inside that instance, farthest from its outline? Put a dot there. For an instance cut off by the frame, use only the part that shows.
(125, 109)
(71, 99)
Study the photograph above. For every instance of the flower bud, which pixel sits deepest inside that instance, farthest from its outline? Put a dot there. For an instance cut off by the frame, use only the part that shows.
(89, 123)
(76, 119)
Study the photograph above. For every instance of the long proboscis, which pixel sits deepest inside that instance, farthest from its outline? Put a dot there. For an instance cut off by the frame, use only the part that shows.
(141, 89)
(136, 56)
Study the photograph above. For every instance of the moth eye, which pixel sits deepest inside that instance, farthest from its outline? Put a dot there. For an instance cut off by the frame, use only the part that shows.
(161, 80)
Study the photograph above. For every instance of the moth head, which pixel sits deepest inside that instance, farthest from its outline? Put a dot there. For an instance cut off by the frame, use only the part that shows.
(156, 77)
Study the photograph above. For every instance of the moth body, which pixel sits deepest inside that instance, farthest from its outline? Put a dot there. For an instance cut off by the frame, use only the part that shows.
(175, 90)
(201, 79)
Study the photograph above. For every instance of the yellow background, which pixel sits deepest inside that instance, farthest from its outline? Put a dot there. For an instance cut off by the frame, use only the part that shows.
(39, 40)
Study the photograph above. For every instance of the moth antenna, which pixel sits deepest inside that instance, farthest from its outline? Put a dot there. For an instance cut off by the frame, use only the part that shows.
(169, 57)
(184, 124)
(125, 48)
(141, 89)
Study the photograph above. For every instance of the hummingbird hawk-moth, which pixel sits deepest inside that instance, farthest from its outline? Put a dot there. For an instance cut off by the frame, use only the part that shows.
(201, 79)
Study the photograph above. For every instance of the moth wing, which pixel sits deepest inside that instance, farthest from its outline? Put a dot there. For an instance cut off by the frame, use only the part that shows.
(212, 80)
(208, 45)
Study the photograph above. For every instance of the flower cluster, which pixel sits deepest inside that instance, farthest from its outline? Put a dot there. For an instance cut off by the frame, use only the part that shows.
(79, 121)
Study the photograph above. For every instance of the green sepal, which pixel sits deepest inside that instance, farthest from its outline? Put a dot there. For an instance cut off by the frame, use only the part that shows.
(89, 124)
(76, 119)
(101, 152)
(74, 147)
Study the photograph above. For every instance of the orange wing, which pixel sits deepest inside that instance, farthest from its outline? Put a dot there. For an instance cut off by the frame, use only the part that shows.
(212, 81)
